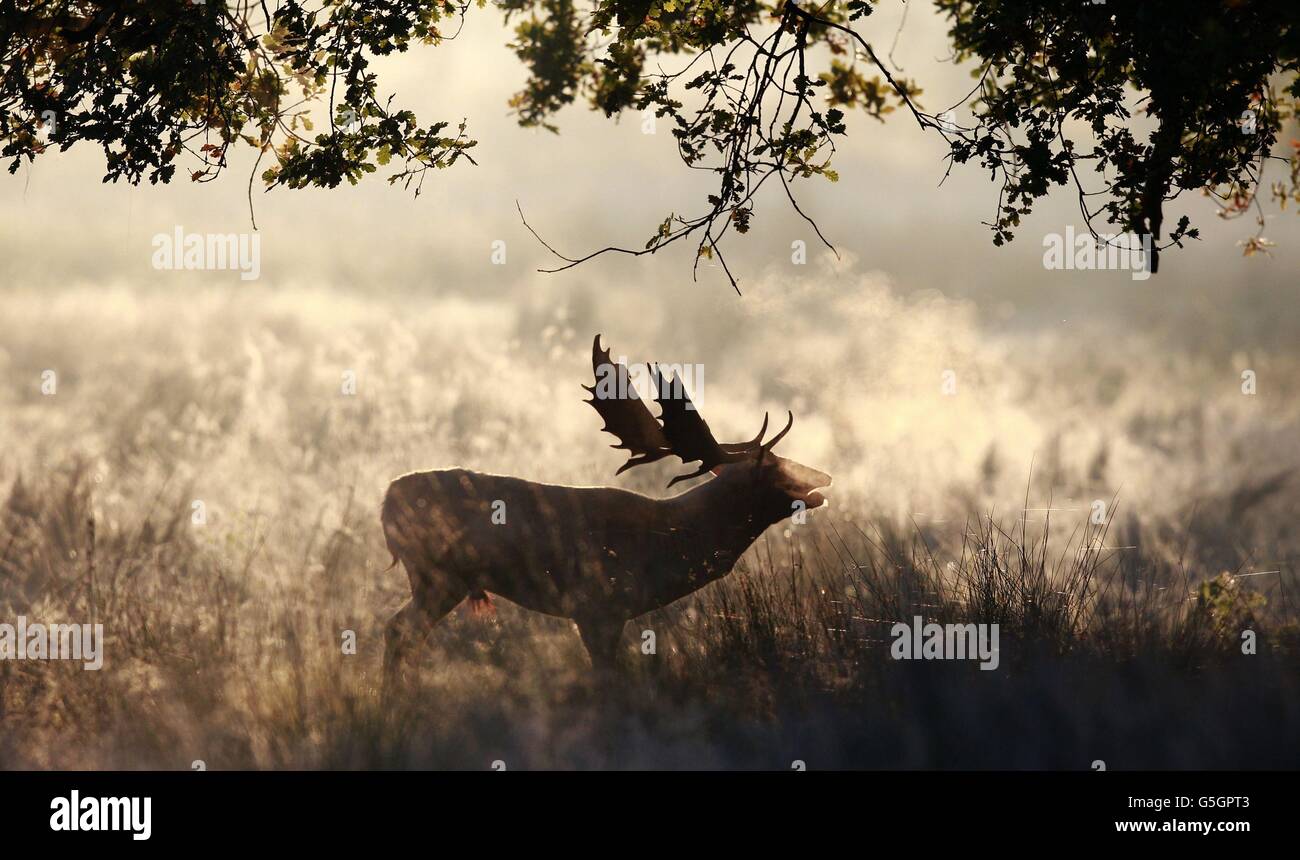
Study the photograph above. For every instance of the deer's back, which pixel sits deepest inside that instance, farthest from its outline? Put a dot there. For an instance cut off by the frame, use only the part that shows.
(548, 547)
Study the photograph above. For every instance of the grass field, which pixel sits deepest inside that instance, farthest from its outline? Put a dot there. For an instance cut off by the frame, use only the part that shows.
(1121, 640)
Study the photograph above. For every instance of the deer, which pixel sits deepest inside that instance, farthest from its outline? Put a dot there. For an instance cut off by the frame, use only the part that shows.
(599, 556)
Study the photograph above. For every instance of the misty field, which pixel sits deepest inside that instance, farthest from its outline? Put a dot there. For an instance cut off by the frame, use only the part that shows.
(1121, 625)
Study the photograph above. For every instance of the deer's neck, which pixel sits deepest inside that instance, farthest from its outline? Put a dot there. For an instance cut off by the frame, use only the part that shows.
(720, 519)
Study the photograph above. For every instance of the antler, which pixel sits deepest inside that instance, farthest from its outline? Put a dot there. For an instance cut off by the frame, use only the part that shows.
(680, 431)
(625, 415)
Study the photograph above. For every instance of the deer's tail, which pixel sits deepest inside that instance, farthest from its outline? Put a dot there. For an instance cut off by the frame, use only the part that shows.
(387, 517)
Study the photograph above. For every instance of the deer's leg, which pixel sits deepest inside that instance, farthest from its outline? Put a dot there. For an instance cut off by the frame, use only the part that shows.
(601, 638)
(412, 624)
(400, 629)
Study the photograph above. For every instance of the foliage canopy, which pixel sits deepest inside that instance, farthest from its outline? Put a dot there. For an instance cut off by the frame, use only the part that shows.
(759, 90)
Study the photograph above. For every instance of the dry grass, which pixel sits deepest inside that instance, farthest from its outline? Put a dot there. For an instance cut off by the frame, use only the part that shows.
(1119, 641)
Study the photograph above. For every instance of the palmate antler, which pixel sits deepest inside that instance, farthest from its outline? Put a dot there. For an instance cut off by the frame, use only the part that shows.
(680, 431)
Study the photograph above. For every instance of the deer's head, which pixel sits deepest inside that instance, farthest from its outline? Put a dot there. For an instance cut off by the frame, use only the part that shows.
(776, 485)
(785, 482)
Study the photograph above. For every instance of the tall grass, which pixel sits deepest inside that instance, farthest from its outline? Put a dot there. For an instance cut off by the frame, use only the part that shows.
(207, 660)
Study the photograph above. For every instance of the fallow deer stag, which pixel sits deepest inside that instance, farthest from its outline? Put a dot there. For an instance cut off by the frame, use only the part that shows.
(600, 556)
